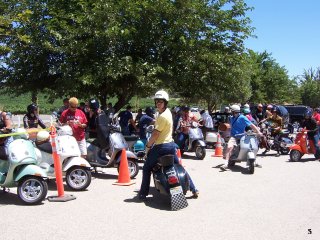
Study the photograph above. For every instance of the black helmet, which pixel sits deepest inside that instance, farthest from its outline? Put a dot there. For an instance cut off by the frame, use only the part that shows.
(94, 104)
(31, 108)
(277, 110)
(185, 108)
(149, 111)
(308, 113)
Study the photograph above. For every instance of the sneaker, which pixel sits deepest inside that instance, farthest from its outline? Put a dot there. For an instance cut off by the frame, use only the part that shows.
(265, 151)
(278, 155)
(224, 168)
(195, 194)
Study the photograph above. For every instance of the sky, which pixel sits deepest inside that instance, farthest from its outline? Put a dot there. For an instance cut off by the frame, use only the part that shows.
(289, 30)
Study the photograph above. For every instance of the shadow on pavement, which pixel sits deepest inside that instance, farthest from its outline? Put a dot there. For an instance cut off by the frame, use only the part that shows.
(10, 198)
(103, 175)
(157, 200)
(303, 160)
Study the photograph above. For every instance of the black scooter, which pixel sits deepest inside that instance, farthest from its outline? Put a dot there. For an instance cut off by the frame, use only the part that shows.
(172, 180)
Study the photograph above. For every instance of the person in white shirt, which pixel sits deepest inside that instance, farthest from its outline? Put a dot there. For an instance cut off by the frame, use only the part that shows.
(206, 122)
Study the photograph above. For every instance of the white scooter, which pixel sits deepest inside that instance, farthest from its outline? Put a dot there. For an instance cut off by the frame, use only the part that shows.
(76, 169)
(195, 141)
(246, 150)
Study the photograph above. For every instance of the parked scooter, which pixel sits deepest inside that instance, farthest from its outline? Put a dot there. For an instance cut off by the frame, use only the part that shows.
(75, 168)
(195, 141)
(110, 156)
(246, 150)
(302, 145)
(283, 143)
(19, 169)
(171, 179)
(138, 146)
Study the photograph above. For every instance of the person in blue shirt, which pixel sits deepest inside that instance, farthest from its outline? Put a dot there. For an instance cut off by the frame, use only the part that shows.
(145, 120)
(126, 119)
(238, 124)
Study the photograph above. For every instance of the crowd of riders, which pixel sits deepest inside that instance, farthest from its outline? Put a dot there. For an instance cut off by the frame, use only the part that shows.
(86, 117)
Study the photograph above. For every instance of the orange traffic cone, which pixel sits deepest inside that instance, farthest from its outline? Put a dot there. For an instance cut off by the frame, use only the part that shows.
(218, 150)
(179, 156)
(124, 175)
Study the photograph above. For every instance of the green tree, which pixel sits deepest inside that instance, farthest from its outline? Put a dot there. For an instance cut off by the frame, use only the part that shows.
(310, 87)
(269, 81)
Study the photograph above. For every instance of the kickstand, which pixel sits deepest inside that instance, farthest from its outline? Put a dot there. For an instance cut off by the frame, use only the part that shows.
(5, 190)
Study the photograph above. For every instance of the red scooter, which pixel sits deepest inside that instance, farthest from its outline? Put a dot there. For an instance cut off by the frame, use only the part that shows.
(302, 145)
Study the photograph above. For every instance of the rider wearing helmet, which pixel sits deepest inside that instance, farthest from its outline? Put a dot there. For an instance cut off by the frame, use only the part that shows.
(183, 126)
(145, 120)
(32, 119)
(310, 124)
(259, 114)
(238, 124)
(160, 143)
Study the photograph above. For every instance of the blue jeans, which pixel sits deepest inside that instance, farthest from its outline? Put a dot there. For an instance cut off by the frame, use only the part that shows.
(152, 159)
(316, 145)
(125, 130)
(181, 139)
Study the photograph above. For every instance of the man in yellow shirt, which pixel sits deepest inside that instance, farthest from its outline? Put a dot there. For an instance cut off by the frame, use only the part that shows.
(160, 143)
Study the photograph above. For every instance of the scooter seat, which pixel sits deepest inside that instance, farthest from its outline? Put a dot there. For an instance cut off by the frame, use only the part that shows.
(166, 160)
(131, 138)
(45, 147)
(93, 141)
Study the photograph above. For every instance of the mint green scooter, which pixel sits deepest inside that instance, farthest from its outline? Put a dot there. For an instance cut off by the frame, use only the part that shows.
(19, 169)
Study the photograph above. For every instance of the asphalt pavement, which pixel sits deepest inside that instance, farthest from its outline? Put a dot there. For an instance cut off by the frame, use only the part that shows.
(279, 201)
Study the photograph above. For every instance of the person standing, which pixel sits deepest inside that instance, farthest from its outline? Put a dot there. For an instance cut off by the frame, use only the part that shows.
(126, 119)
(206, 122)
(160, 144)
(77, 120)
(5, 127)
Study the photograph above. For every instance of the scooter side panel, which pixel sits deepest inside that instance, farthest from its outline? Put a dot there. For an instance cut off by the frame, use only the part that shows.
(74, 161)
(26, 152)
(68, 146)
(32, 170)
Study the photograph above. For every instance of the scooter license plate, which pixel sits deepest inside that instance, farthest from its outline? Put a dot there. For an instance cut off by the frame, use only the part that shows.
(176, 190)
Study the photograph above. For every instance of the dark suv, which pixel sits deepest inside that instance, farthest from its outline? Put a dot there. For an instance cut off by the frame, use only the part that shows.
(297, 112)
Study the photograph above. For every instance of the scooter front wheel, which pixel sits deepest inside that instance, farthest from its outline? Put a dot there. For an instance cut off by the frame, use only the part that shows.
(295, 155)
(284, 151)
(200, 152)
(133, 167)
(32, 190)
(78, 178)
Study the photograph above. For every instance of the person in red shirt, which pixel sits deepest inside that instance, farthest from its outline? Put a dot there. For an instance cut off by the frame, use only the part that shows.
(77, 120)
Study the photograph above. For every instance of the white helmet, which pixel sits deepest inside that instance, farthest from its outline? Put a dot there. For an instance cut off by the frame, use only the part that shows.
(246, 105)
(64, 130)
(162, 95)
(235, 108)
(42, 136)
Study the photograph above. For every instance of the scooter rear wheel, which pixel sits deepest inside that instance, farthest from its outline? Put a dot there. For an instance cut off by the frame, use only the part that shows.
(295, 155)
(32, 190)
(78, 178)
(133, 168)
